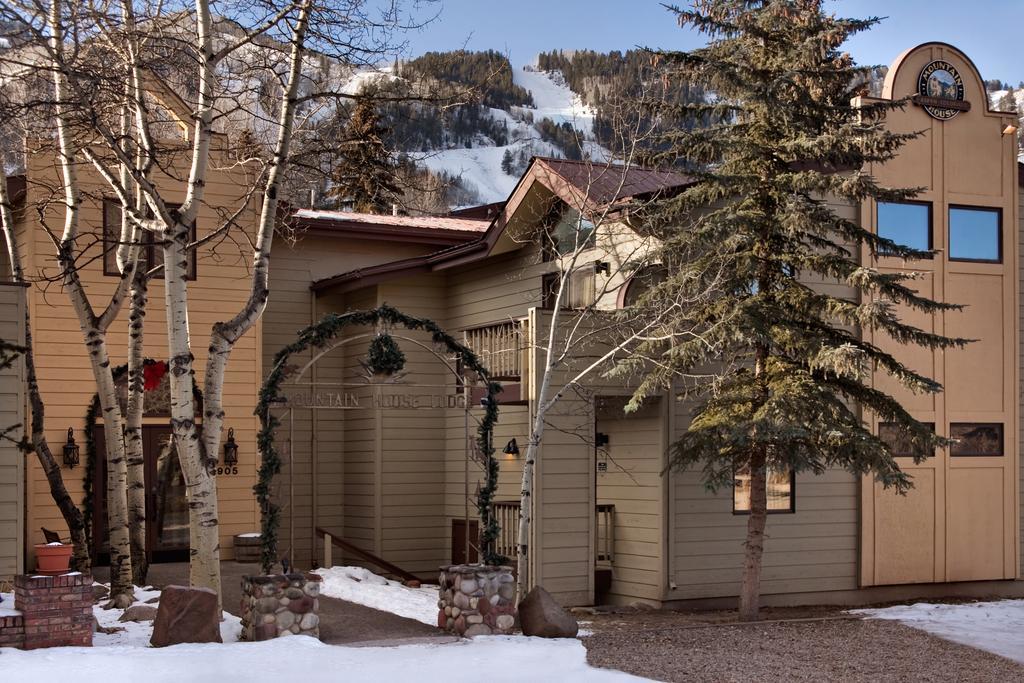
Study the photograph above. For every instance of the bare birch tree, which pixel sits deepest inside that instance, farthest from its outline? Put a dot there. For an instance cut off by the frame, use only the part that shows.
(230, 64)
(602, 224)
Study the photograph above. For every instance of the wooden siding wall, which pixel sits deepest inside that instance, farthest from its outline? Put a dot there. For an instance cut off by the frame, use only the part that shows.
(633, 482)
(1020, 356)
(814, 549)
(12, 460)
(65, 377)
(314, 476)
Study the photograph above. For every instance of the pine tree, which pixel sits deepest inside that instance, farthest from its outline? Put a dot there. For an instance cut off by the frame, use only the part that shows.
(788, 369)
(506, 162)
(365, 175)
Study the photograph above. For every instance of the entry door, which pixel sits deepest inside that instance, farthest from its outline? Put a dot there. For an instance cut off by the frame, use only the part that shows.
(166, 507)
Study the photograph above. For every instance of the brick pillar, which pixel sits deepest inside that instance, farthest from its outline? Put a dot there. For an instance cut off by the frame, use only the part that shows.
(57, 610)
(12, 631)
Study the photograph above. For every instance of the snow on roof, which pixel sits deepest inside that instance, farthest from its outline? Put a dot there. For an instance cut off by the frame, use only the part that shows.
(468, 225)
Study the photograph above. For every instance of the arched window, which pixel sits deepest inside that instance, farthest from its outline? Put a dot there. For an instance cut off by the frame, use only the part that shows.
(641, 282)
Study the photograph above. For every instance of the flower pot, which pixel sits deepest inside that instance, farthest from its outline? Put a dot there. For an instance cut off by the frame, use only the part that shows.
(53, 559)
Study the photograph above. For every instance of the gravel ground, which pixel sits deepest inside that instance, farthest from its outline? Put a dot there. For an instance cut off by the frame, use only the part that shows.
(673, 646)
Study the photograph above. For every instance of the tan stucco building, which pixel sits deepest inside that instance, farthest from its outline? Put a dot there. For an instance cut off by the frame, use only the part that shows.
(388, 470)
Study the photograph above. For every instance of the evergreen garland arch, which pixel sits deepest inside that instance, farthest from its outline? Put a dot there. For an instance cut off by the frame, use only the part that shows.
(92, 414)
(321, 334)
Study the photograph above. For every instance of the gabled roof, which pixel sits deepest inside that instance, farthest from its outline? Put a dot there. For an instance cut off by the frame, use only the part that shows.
(583, 184)
(438, 230)
(590, 184)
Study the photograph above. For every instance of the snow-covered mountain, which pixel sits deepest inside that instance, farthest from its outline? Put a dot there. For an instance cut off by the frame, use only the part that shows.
(479, 167)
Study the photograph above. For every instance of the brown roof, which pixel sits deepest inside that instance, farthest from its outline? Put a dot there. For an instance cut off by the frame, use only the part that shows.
(601, 184)
(586, 184)
(439, 230)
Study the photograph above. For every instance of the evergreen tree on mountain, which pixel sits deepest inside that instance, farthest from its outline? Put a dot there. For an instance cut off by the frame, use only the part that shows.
(364, 175)
(777, 370)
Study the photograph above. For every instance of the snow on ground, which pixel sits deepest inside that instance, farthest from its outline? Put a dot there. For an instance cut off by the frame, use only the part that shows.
(496, 658)
(137, 634)
(7, 605)
(362, 586)
(996, 627)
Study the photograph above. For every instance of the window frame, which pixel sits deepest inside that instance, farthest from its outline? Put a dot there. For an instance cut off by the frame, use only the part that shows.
(931, 223)
(111, 241)
(997, 210)
(1002, 441)
(549, 282)
(892, 447)
(792, 498)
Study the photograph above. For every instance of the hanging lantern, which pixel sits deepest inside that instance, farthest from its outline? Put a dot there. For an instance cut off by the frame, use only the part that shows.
(230, 450)
(71, 450)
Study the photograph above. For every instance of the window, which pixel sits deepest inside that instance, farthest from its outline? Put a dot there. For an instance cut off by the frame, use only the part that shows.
(781, 491)
(975, 234)
(641, 282)
(906, 223)
(897, 439)
(976, 439)
(567, 231)
(581, 288)
(151, 254)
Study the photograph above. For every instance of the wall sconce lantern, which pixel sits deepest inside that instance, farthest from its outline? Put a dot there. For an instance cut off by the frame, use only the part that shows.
(602, 267)
(511, 448)
(230, 450)
(601, 440)
(72, 452)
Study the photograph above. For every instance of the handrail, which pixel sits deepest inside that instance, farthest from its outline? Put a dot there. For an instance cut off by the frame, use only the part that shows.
(366, 555)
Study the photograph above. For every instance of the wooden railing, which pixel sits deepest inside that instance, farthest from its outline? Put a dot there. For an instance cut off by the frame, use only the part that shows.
(499, 348)
(507, 515)
(331, 540)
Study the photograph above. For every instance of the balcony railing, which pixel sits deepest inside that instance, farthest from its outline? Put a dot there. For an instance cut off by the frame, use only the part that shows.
(507, 515)
(499, 348)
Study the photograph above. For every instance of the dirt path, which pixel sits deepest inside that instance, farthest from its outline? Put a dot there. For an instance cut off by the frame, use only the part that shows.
(341, 622)
(676, 647)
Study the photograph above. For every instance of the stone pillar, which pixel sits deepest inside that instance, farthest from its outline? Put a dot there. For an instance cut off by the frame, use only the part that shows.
(477, 600)
(57, 610)
(280, 605)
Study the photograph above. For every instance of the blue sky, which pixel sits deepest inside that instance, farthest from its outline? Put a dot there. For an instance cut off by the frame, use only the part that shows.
(987, 30)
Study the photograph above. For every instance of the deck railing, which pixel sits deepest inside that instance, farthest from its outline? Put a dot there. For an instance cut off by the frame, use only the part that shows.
(499, 348)
(507, 515)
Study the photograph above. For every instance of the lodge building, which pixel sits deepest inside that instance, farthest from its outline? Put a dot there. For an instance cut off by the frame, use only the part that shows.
(388, 469)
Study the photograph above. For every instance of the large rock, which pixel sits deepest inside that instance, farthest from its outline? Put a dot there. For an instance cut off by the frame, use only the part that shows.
(186, 615)
(540, 615)
(139, 613)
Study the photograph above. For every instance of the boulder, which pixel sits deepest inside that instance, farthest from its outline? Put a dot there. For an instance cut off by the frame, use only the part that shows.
(139, 613)
(540, 615)
(186, 615)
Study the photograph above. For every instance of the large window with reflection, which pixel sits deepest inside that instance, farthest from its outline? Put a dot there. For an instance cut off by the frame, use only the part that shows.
(975, 234)
(781, 487)
(906, 223)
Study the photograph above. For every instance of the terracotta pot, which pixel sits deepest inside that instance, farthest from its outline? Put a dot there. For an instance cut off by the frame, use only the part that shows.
(53, 559)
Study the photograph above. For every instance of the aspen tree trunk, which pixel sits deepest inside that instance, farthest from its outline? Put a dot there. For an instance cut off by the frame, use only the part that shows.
(134, 451)
(80, 560)
(200, 484)
(93, 331)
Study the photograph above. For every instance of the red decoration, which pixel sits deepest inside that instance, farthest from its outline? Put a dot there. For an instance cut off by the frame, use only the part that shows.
(152, 373)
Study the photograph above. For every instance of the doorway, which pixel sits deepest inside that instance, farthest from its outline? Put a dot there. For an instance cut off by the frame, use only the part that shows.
(167, 531)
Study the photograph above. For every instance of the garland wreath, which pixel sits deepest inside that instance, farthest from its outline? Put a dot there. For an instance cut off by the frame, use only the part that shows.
(386, 358)
(153, 372)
